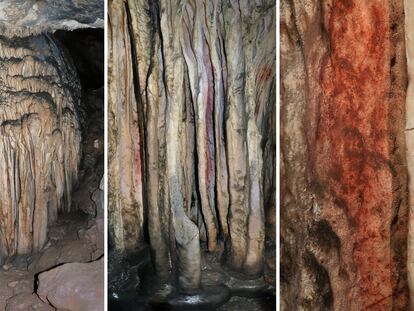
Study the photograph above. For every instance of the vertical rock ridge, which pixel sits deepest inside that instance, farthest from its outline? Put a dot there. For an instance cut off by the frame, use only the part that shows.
(344, 196)
(205, 76)
(39, 141)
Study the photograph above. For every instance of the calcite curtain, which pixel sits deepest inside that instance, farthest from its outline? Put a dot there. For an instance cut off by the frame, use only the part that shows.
(40, 123)
(39, 139)
(192, 131)
(344, 203)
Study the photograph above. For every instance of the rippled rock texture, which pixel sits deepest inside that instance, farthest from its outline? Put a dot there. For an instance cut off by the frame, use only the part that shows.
(344, 208)
(39, 141)
(192, 132)
(40, 118)
(24, 18)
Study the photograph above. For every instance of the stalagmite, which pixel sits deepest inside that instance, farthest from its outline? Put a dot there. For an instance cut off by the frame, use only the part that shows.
(197, 80)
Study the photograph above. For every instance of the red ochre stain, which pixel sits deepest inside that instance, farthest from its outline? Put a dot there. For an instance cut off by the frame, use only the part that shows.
(265, 73)
(352, 147)
(209, 125)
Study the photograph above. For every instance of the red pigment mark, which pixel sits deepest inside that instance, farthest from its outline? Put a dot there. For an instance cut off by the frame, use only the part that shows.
(209, 115)
(352, 147)
(264, 74)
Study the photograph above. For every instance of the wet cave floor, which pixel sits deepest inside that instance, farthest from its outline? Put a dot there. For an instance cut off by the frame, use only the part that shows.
(133, 286)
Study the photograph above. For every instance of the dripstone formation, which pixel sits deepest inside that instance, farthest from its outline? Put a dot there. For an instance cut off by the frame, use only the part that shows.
(39, 120)
(192, 133)
(344, 207)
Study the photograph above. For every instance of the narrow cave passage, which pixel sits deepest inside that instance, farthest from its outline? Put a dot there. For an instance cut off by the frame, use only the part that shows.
(86, 47)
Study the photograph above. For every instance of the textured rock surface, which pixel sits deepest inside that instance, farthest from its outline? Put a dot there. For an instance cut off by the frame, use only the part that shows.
(344, 189)
(39, 141)
(74, 286)
(39, 118)
(409, 126)
(71, 238)
(27, 302)
(27, 17)
(191, 113)
(125, 183)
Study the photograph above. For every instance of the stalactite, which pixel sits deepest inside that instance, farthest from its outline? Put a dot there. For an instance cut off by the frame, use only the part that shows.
(203, 87)
(39, 139)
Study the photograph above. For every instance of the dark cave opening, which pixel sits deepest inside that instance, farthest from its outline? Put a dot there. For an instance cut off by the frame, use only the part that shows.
(86, 48)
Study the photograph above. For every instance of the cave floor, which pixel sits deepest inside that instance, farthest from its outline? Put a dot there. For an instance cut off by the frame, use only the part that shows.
(70, 239)
(134, 286)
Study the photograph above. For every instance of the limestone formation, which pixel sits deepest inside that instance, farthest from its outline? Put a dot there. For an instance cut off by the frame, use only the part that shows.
(22, 18)
(343, 165)
(40, 123)
(40, 139)
(192, 132)
(409, 125)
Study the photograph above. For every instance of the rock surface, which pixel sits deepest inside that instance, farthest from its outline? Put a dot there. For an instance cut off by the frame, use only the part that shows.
(27, 302)
(65, 245)
(42, 113)
(28, 17)
(191, 126)
(409, 138)
(343, 169)
(39, 117)
(134, 285)
(74, 286)
(39, 142)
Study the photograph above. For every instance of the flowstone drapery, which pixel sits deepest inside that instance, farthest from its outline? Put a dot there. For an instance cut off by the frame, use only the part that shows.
(39, 118)
(344, 207)
(192, 132)
(40, 137)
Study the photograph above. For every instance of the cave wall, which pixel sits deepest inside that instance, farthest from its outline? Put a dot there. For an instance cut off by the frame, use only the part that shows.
(409, 120)
(344, 208)
(125, 208)
(22, 18)
(40, 118)
(192, 131)
(40, 139)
